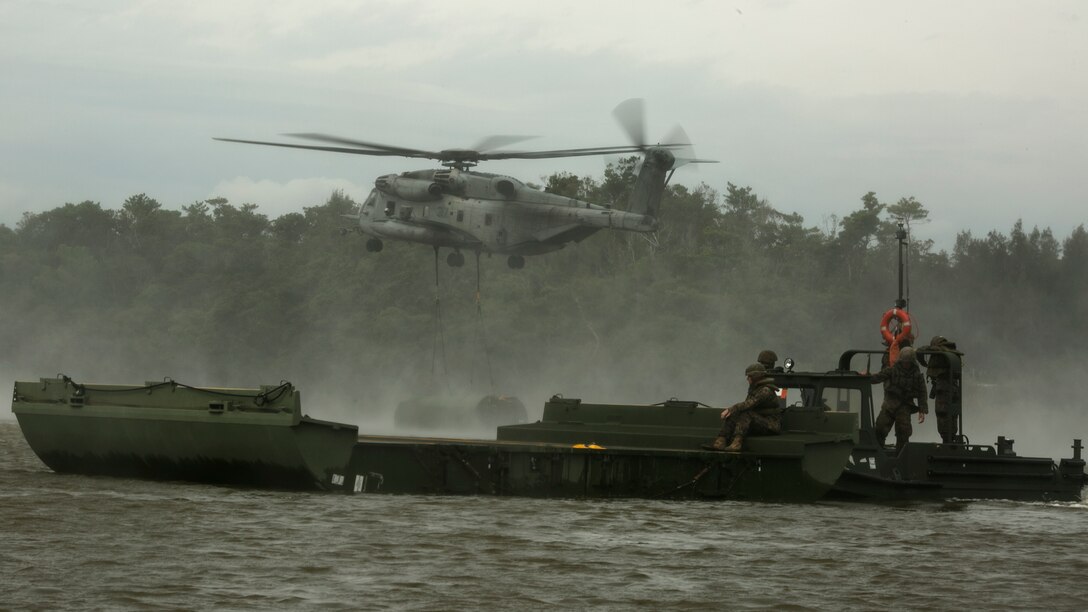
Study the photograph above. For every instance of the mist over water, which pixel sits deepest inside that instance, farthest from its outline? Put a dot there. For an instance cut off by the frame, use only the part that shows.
(1042, 418)
(223, 296)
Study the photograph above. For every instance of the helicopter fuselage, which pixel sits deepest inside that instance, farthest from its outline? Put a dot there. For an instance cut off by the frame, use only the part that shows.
(484, 212)
(461, 209)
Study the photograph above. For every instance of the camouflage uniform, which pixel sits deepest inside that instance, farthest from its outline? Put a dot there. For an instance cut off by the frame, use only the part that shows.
(942, 388)
(904, 382)
(886, 358)
(759, 413)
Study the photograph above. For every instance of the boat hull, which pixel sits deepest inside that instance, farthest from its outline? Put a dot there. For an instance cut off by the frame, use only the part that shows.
(538, 469)
(935, 471)
(170, 433)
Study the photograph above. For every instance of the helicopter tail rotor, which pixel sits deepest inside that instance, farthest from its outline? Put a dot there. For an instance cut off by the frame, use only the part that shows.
(631, 115)
(685, 153)
(658, 161)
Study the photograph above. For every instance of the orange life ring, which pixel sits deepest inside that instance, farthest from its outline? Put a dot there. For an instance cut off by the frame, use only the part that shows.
(904, 326)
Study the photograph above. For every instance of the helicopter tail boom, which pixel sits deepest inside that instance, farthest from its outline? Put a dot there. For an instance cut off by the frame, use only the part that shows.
(650, 183)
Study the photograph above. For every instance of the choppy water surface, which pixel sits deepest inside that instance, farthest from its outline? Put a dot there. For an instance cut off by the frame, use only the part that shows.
(75, 542)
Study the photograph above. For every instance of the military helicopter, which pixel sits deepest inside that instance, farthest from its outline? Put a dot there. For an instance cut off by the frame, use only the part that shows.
(467, 210)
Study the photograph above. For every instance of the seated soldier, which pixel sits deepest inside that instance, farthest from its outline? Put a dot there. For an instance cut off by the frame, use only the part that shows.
(759, 413)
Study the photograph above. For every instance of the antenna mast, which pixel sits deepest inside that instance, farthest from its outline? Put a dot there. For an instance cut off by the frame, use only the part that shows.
(901, 235)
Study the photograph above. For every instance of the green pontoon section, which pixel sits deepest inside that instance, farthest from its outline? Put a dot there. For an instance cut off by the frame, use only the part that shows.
(169, 431)
(615, 450)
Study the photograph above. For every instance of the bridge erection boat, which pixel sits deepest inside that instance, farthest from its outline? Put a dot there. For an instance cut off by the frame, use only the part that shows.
(927, 470)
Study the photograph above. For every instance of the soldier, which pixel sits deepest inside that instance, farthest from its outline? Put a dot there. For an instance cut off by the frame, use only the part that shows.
(757, 414)
(904, 383)
(943, 385)
(885, 359)
(767, 358)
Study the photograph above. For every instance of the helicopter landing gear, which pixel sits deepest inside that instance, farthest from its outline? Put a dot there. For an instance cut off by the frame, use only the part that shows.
(516, 262)
(374, 245)
(455, 259)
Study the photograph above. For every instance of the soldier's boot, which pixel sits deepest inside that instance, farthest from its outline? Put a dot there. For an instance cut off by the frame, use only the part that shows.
(735, 445)
(899, 444)
(718, 444)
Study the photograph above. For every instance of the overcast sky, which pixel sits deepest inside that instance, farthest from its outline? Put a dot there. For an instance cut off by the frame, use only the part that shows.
(978, 109)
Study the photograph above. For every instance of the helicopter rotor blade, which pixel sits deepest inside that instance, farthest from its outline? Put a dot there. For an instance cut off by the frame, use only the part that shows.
(363, 144)
(443, 156)
(560, 153)
(498, 141)
(631, 115)
(685, 153)
(677, 134)
(317, 148)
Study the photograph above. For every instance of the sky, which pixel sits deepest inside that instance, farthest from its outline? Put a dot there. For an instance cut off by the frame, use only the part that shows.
(978, 109)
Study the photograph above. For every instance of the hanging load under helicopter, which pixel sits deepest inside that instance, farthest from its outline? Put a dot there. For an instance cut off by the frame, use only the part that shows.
(465, 210)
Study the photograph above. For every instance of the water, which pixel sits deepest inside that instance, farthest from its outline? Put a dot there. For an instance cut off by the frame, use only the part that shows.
(76, 542)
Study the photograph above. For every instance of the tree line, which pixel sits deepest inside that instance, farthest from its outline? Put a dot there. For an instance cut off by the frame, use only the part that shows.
(221, 294)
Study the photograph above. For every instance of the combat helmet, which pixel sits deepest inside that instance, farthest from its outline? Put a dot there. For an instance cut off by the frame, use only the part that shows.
(906, 354)
(756, 371)
(767, 358)
(938, 341)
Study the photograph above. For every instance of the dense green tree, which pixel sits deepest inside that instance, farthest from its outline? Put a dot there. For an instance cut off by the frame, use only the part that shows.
(218, 293)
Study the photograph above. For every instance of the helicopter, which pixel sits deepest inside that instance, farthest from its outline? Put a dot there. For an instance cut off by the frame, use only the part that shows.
(462, 209)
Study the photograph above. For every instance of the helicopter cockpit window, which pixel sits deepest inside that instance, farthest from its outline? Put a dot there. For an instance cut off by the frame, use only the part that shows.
(368, 205)
(406, 212)
(390, 208)
(838, 399)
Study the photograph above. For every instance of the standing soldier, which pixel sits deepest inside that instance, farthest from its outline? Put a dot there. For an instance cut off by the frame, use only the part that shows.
(943, 386)
(885, 359)
(904, 383)
(759, 413)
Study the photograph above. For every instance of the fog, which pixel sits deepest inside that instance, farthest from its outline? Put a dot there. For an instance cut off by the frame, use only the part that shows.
(177, 294)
